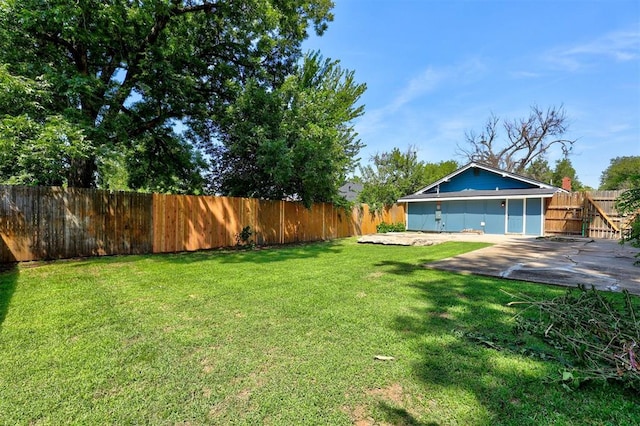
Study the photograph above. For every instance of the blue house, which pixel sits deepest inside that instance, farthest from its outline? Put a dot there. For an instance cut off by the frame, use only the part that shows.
(480, 198)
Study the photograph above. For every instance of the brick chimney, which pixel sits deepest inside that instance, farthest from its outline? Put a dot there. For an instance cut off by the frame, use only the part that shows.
(566, 183)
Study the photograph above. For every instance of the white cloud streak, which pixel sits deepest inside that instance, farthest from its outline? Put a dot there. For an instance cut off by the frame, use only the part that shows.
(621, 46)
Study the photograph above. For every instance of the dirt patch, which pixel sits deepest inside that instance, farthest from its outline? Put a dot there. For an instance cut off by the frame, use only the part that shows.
(358, 415)
(397, 239)
(375, 275)
(393, 393)
(443, 315)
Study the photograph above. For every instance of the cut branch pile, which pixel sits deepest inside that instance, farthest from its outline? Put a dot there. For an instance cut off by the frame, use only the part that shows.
(604, 340)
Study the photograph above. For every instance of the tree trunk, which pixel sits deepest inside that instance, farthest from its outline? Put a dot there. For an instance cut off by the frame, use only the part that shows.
(82, 173)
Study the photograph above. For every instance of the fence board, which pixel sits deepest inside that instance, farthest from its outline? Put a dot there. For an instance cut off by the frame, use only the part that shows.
(591, 214)
(52, 223)
(49, 223)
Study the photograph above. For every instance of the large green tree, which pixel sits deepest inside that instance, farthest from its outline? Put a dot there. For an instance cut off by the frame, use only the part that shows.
(394, 174)
(621, 173)
(540, 170)
(126, 73)
(36, 148)
(295, 141)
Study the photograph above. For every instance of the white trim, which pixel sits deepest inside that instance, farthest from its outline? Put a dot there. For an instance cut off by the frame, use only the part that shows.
(406, 216)
(506, 216)
(524, 216)
(541, 218)
(478, 197)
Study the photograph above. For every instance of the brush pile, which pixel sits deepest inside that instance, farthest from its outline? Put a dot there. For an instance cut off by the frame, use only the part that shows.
(603, 339)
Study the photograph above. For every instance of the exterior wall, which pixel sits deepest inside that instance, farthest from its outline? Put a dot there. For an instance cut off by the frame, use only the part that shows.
(422, 217)
(480, 179)
(517, 216)
(534, 218)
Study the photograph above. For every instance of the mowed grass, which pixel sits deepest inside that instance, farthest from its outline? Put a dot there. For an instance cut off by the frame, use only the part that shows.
(279, 336)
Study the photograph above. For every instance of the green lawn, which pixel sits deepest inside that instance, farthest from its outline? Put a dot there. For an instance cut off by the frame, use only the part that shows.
(280, 336)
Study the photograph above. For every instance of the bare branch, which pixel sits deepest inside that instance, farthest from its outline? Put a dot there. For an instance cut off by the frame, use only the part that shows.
(527, 139)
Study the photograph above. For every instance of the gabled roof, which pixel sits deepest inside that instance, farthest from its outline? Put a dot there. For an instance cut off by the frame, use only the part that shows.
(489, 169)
(540, 189)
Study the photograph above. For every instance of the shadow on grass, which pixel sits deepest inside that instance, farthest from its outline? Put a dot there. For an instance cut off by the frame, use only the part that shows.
(439, 252)
(268, 254)
(400, 416)
(8, 280)
(282, 253)
(512, 388)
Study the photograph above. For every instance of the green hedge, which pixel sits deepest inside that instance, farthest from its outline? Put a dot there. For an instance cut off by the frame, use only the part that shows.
(390, 227)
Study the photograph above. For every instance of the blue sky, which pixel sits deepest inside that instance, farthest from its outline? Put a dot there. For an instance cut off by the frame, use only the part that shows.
(436, 69)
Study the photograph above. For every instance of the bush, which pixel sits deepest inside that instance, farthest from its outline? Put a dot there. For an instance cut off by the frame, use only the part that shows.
(243, 238)
(390, 227)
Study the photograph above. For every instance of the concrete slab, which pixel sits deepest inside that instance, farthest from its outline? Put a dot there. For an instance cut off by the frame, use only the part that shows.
(604, 264)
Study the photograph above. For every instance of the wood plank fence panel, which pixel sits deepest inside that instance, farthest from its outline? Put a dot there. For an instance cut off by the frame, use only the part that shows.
(53, 223)
(601, 216)
(563, 215)
(590, 214)
(49, 223)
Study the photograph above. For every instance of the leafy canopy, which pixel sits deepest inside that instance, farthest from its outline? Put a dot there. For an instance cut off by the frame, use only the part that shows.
(121, 75)
(35, 148)
(294, 141)
(621, 173)
(395, 174)
(540, 170)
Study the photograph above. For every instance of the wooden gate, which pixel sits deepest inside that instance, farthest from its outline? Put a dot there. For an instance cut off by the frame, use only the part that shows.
(588, 214)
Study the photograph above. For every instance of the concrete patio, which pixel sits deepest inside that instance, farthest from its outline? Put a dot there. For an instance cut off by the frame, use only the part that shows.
(603, 264)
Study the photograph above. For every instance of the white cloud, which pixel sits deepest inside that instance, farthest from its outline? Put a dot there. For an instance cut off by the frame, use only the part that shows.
(621, 46)
(430, 80)
(525, 74)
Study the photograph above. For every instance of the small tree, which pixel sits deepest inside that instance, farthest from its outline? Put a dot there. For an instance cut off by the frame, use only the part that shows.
(629, 204)
(563, 169)
(295, 141)
(540, 170)
(396, 174)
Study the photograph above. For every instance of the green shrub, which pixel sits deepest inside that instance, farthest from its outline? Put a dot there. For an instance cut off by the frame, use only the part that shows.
(390, 227)
(243, 238)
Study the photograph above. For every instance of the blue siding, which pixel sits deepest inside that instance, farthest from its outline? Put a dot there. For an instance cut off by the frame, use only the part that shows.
(515, 216)
(534, 217)
(469, 214)
(494, 217)
(421, 217)
(474, 214)
(480, 179)
(453, 216)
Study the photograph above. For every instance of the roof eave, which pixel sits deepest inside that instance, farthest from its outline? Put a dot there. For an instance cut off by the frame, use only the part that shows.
(443, 197)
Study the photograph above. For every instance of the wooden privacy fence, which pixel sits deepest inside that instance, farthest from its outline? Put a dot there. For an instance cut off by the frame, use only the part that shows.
(589, 214)
(38, 223)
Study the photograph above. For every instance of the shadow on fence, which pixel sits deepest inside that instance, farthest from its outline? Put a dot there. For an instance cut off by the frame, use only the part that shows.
(42, 223)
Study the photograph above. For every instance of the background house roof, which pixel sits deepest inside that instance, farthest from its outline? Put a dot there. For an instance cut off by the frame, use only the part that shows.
(350, 190)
